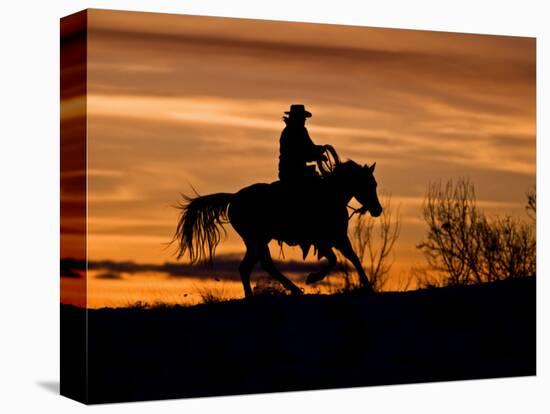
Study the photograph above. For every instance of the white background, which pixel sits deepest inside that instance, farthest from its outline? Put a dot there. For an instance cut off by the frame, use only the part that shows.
(29, 207)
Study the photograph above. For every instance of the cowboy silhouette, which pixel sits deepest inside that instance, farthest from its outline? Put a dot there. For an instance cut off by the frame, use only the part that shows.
(296, 147)
(299, 209)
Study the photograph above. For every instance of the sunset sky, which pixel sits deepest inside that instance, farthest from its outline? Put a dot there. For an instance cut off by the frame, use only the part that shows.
(180, 101)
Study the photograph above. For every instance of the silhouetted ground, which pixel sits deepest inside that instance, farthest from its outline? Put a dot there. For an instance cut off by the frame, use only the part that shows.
(302, 343)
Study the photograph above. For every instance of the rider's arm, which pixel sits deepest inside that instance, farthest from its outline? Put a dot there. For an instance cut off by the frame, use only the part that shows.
(311, 151)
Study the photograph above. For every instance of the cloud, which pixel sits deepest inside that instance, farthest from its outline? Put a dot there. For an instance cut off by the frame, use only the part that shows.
(176, 101)
(228, 33)
(223, 267)
(72, 268)
(109, 276)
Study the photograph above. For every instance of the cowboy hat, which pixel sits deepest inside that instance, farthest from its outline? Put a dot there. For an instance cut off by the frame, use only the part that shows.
(298, 110)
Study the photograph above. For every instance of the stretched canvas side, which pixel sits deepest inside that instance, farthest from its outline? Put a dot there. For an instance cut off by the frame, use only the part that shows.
(73, 206)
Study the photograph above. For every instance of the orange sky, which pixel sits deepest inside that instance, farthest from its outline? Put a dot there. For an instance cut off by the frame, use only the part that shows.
(175, 101)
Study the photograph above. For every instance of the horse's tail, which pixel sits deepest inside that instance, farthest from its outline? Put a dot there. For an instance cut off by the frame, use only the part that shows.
(199, 226)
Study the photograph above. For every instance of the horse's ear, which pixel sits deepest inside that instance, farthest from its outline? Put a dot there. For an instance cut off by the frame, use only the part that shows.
(372, 167)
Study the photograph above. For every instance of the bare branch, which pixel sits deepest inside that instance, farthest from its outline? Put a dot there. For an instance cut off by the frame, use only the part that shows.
(374, 239)
(465, 247)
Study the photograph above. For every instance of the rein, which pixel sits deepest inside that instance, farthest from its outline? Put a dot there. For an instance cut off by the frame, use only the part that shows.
(360, 210)
(332, 159)
(327, 167)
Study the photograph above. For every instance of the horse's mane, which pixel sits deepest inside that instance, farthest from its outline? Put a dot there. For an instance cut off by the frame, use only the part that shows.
(346, 167)
(349, 164)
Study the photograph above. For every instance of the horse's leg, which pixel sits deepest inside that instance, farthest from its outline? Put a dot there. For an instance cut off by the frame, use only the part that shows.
(245, 268)
(347, 250)
(326, 269)
(267, 264)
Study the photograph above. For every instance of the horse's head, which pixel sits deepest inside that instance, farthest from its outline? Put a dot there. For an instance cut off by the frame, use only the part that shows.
(362, 185)
(366, 193)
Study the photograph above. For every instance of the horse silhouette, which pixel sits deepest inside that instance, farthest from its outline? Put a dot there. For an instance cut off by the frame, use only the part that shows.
(310, 212)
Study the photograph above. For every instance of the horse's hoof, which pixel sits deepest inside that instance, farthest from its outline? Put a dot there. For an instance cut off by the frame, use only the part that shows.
(367, 289)
(297, 291)
(314, 278)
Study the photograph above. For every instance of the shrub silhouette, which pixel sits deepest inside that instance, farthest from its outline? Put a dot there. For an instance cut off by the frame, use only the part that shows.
(463, 246)
(210, 295)
(265, 286)
(531, 206)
